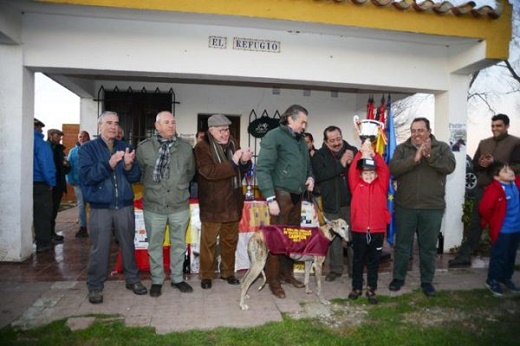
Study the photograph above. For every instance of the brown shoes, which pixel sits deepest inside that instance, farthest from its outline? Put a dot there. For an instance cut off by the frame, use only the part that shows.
(277, 289)
(293, 281)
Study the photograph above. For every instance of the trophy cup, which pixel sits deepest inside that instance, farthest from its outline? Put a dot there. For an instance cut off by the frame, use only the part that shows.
(249, 196)
(367, 128)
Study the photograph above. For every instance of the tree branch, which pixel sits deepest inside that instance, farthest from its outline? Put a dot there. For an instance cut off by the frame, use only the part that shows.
(512, 71)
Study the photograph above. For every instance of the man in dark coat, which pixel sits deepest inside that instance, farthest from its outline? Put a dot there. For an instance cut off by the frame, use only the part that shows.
(62, 165)
(330, 165)
(221, 165)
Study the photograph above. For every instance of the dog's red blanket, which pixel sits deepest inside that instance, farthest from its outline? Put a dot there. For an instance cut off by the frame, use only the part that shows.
(285, 240)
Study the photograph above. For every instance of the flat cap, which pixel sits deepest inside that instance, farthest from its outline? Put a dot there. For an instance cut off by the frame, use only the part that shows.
(218, 120)
(54, 131)
(38, 123)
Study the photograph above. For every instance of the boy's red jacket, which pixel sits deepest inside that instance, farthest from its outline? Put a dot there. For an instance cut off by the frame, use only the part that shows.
(368, 208)
(492, 207)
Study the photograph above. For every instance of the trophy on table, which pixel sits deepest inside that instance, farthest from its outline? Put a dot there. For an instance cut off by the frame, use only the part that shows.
(249, 196)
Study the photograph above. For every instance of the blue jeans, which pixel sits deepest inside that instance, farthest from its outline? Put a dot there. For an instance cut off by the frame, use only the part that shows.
(82, 213)
(503, 255)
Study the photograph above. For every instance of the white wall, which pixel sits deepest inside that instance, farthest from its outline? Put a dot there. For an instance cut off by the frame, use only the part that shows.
(324, 110)
(169, 49)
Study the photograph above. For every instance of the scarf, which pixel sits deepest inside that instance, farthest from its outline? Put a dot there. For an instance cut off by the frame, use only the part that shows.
(222, 153)
(162, 165)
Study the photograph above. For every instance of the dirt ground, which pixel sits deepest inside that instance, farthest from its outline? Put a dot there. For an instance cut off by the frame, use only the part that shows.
(351, 315)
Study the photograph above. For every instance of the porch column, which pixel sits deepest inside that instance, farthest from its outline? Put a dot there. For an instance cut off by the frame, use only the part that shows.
(88, 115)
(450, 122)
(16, 155)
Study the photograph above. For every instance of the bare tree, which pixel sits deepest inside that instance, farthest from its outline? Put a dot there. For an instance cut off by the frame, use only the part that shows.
(488, 87)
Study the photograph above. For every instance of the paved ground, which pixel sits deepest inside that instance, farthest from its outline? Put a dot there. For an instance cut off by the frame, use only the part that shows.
(28, 301)
(28, 305)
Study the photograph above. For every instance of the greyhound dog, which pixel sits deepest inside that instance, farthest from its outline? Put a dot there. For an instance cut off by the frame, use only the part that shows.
(258, 251)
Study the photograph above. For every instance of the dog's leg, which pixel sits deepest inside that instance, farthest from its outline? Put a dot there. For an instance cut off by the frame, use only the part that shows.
(265, 279)
(318, 263)
(308, 268)
(257, 251)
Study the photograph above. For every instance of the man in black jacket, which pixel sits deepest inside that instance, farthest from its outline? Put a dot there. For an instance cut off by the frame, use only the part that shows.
(54, 137)
(330, 165)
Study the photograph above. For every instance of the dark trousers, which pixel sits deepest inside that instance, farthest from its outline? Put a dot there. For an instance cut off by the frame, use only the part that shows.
(472, 241)
(367, 249)
(100, 225)
(503, 256)
(427, 224)
(42, 213)
(57, 193)
(290, 214)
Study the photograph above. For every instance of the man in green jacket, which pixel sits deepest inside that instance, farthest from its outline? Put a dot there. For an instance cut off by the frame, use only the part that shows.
(284, 173)
(420, 166)
(167, 165)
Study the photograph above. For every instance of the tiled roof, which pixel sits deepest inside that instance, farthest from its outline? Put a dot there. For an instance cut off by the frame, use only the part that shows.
(440, 8)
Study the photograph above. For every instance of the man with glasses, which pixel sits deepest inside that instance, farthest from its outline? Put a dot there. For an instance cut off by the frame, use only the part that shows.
(330, 165)
(221, 164)
(420, 166)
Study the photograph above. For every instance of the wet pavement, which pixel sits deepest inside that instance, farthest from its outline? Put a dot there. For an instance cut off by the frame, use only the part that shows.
(51, 286)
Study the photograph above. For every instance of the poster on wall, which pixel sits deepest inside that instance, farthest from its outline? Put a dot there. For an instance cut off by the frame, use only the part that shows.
(458, 137)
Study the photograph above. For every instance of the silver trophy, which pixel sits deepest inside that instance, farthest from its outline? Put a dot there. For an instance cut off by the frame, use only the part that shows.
(367, 128)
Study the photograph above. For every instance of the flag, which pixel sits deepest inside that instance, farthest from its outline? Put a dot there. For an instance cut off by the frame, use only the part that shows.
(381, 141)
(370, 107)
(389, 152)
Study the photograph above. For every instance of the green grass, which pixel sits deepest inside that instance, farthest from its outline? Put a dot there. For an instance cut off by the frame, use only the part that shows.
(451, 318)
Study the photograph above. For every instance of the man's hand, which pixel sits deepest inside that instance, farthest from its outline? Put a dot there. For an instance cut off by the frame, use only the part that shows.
(310, 184)
(115, 158)
(247, 154)
(236, 156)
(424, 150)
(486, 160)
(346, 158)
(274, 208)
(427, 148)
(129, 157)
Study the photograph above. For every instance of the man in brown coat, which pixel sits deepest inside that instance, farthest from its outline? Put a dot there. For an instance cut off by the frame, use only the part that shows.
(501, 147)
(221, 165)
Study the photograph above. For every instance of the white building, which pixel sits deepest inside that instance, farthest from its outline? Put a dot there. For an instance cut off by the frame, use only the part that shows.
(234, 57)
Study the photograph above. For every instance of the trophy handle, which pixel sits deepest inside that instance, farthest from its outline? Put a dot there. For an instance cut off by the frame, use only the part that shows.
(381, 124)
(356, 124)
